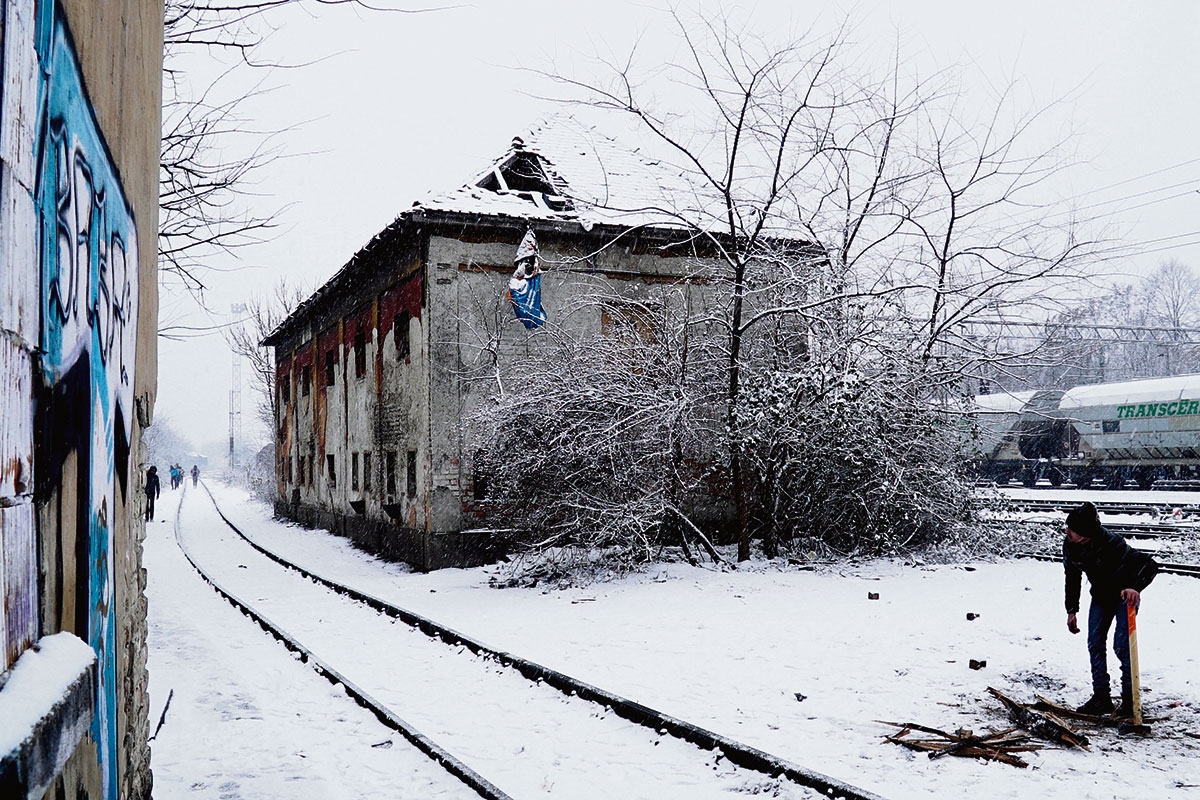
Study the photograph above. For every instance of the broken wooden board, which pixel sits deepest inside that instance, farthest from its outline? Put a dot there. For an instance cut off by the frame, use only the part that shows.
(1042, 724)
(995, 746)
(1108, 720)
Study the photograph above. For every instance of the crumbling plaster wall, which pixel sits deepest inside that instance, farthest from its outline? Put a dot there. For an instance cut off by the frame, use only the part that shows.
(380, 408)
(476, 340)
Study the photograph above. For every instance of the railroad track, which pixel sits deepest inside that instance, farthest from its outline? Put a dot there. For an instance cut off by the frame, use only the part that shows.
(1132, 530)
(1159, 486)
(1024, 505)
(1170, 569)
(483, 676)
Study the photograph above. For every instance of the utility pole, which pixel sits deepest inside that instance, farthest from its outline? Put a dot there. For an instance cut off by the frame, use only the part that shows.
(235, 396)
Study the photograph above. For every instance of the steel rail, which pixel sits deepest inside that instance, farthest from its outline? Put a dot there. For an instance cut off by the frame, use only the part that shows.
(1104, 507)
(736, 752)
(1169, 569)
(446, 760)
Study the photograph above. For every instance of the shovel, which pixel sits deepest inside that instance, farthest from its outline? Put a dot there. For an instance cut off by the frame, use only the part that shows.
(1136, 725)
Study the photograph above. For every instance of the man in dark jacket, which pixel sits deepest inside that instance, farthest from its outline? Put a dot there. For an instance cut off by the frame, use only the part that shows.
(153, 490)
(1118, 574)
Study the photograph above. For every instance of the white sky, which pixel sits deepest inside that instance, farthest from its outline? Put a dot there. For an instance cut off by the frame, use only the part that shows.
(414, 103)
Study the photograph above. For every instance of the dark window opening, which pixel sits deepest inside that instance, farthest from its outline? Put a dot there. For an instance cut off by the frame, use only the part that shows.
(311, 471)
(330, 367)
(285, 390)
(330, 471)
(360, 354)
(367, 471)
(411, 474)
(287, 470)
(481, 480)
(300, 465)
(1111, 426)
(389, 478)
(305, 380)
(354, 472)
(400, 333)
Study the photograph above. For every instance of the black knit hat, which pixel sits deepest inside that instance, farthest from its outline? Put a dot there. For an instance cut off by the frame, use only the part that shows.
(1084, 520)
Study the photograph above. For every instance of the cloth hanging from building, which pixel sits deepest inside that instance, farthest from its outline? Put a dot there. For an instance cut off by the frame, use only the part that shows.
(525, 286)
(525, 294)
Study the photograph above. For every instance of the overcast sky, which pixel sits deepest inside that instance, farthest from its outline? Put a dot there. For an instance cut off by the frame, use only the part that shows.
(406, 104)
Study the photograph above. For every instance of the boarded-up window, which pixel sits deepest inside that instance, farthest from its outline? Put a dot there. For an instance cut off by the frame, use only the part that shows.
(629, 323)
(632, 328)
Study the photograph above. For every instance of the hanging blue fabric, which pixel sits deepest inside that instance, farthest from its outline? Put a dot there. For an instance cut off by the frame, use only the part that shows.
(526, 298)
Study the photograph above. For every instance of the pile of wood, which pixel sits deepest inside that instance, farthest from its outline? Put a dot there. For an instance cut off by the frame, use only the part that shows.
(996, 746)
(1003, 745)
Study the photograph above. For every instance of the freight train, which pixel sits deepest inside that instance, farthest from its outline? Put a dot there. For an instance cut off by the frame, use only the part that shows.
(1104, 434)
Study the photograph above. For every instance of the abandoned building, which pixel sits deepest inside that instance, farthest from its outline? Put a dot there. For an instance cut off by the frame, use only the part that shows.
(376, 371)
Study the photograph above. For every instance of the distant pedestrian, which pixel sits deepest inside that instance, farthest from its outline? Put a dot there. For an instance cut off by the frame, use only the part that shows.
(1118, 575)
(176, 476)
(153, 490)
(195, 474)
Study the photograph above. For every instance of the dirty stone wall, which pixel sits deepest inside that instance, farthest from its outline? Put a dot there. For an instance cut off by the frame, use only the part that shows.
(378, 449)
(79, 134)
(477, 336)
(345, 446)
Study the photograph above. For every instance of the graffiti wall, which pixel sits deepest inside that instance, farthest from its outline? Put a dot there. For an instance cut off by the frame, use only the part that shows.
(88, 303)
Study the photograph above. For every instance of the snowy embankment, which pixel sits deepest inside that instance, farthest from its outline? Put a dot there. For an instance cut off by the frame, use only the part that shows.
(802, 664)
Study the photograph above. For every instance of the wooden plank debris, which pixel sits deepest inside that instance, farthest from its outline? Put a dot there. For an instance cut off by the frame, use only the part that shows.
(999, 746)
(1109, 720)
(1042, 724)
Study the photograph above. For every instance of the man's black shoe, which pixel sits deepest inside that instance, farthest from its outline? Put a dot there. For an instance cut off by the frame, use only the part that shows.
(1097, 706)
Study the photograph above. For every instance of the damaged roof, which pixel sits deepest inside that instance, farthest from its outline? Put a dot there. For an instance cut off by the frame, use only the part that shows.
(565, 170)
(561, 172)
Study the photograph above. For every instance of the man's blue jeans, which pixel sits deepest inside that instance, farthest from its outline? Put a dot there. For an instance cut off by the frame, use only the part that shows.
(1100, 618)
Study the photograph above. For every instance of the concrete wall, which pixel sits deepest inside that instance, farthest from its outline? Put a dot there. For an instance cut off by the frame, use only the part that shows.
(408, 411)
(480, 341)
(79, 136)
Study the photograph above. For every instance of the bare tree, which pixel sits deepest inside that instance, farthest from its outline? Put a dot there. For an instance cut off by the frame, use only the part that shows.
(262, 316)
(595, 458)
(867, 219)
(211, 154)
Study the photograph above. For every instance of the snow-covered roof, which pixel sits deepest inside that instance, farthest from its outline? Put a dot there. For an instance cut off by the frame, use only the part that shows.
(565, 170)
(1149, 390)
(1002, 402)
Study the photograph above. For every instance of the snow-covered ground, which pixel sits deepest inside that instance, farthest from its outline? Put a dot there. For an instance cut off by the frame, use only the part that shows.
(798, 663)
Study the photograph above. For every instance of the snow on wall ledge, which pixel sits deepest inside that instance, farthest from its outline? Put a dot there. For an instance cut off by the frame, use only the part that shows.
(46, 704)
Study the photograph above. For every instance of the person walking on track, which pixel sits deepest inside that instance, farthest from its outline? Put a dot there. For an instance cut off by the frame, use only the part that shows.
(153, 490)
